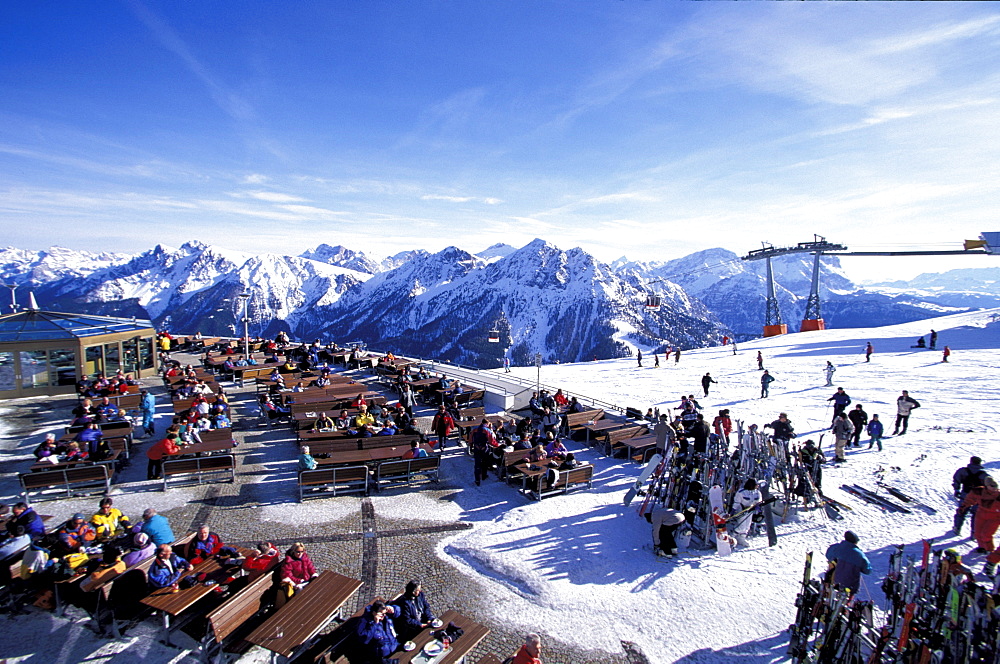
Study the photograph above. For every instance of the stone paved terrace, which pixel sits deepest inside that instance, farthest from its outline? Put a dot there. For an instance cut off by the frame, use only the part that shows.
(384, 540)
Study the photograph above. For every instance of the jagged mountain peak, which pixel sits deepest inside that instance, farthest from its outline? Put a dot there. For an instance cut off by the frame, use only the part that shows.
(341, 256)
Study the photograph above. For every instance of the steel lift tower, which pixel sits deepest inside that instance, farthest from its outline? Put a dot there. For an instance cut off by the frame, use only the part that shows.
(812, 320)
(988, 243)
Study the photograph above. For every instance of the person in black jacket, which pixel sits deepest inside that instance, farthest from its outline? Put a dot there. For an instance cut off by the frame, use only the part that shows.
(859, 418)
(413, 612)
(964, 480)
(782, 427)
(707, 380)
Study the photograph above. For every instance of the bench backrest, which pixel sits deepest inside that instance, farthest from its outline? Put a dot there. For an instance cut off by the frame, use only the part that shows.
(619, 435)
(578, 419)
(62, 476)
(408, 466)
(399, 440)
(334, 475)
(331, 446)
(199, 464)
(226, 619)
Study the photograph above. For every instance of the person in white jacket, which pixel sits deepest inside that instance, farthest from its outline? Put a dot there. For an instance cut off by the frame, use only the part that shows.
(830, 370)
(748, 496)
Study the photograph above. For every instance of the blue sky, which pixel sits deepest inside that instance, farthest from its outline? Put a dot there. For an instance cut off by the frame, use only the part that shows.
(649, 129)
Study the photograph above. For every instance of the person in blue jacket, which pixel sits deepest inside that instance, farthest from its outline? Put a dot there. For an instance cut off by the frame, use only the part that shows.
(875, 430)
(91, 438)
(849, 561)
(375, 630)
(413, 612)
(27, 518)
(167, 568)
(157, 527)
(148, 406)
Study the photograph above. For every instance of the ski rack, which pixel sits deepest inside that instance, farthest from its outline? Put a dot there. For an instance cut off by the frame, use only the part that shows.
(936, 612)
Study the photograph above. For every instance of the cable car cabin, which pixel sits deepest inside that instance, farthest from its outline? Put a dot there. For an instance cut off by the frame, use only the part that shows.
(494, 337)
(653, 303)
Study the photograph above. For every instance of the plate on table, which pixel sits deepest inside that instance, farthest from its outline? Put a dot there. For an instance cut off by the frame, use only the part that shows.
(409, 645)
(434, 648)
(436, 623)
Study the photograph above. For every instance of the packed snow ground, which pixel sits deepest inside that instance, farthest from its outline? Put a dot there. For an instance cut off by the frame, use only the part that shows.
(577, 565)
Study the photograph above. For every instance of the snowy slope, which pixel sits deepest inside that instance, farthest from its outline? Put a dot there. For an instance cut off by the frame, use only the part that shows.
(578, 560)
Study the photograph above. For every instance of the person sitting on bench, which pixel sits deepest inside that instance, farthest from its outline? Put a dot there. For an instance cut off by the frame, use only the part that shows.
(205, 545)
(167, 568)
(297, 569)
(376, 633)
(413, 612)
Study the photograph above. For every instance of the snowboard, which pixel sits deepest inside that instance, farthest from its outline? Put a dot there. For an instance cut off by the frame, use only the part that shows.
(772, 536)
(643, 476)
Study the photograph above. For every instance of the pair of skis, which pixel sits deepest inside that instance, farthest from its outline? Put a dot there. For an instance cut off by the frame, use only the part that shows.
(875, 499)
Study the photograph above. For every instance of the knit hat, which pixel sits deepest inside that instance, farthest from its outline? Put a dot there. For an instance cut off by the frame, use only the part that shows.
(79, 517)
(141, 539)
(849, 536)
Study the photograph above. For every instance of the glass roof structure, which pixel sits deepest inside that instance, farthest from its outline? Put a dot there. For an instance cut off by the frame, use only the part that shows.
(50, 326)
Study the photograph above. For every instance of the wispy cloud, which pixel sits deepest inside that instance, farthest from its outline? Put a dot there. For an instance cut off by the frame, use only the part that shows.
(275, 197)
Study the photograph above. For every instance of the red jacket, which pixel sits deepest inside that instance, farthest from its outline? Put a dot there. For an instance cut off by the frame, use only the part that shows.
(165, 446)
(442, 424)
(523, 657)
(299, 571)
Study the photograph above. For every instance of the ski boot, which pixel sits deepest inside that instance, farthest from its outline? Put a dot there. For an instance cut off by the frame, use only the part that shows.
(990, 570)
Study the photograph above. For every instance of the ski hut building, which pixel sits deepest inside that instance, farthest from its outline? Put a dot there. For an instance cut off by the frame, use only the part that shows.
(45, 352)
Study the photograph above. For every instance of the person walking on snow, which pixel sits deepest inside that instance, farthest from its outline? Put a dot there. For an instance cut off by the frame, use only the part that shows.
(677, 355)
(840, 401)
(760, 361)
(506, 364)
(639, 357)
(933, 339)
(904, 406)
(875, 431)
(849, 562)
(765, 384)
(656, 360)
(707, 380)
(869, 349)
(946, 354)
(830, 370)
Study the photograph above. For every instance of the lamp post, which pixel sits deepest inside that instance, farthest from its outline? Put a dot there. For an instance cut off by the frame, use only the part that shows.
(538, 366)
(245, 299)
(13, 300)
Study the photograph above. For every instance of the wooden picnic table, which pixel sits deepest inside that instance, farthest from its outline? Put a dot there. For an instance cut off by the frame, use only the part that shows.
(310, 610)
(204, 447)
(374, 455)
(473, 634)
(216, 435)
(531, 470)
(601, 425)
(348, 392)
(124, 432)
(171, 604)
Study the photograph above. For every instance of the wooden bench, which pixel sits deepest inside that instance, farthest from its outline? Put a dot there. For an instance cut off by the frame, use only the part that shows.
(69, 480)
(506, 469)
(237, 614)
(348, 479)
(466, 398)
(614, 438)
(575, 421)
(490, 659)
(567, 481)
(407, 471)
(199, 468)
(319, 447)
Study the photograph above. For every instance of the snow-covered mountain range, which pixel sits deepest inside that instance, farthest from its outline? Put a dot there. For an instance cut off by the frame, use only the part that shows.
(565, 305)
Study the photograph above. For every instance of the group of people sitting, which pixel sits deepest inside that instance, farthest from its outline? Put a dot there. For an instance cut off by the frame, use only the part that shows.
(105, 410)
(103, 386)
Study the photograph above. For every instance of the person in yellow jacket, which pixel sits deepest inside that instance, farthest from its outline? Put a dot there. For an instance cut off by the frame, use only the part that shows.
(109, 522)
(364, 418)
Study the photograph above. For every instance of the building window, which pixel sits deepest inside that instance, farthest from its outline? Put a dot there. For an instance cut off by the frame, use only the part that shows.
(34, 369)
(7, 381)
(93, 361)
(62, 366)
(146, 353)
(112, 359)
